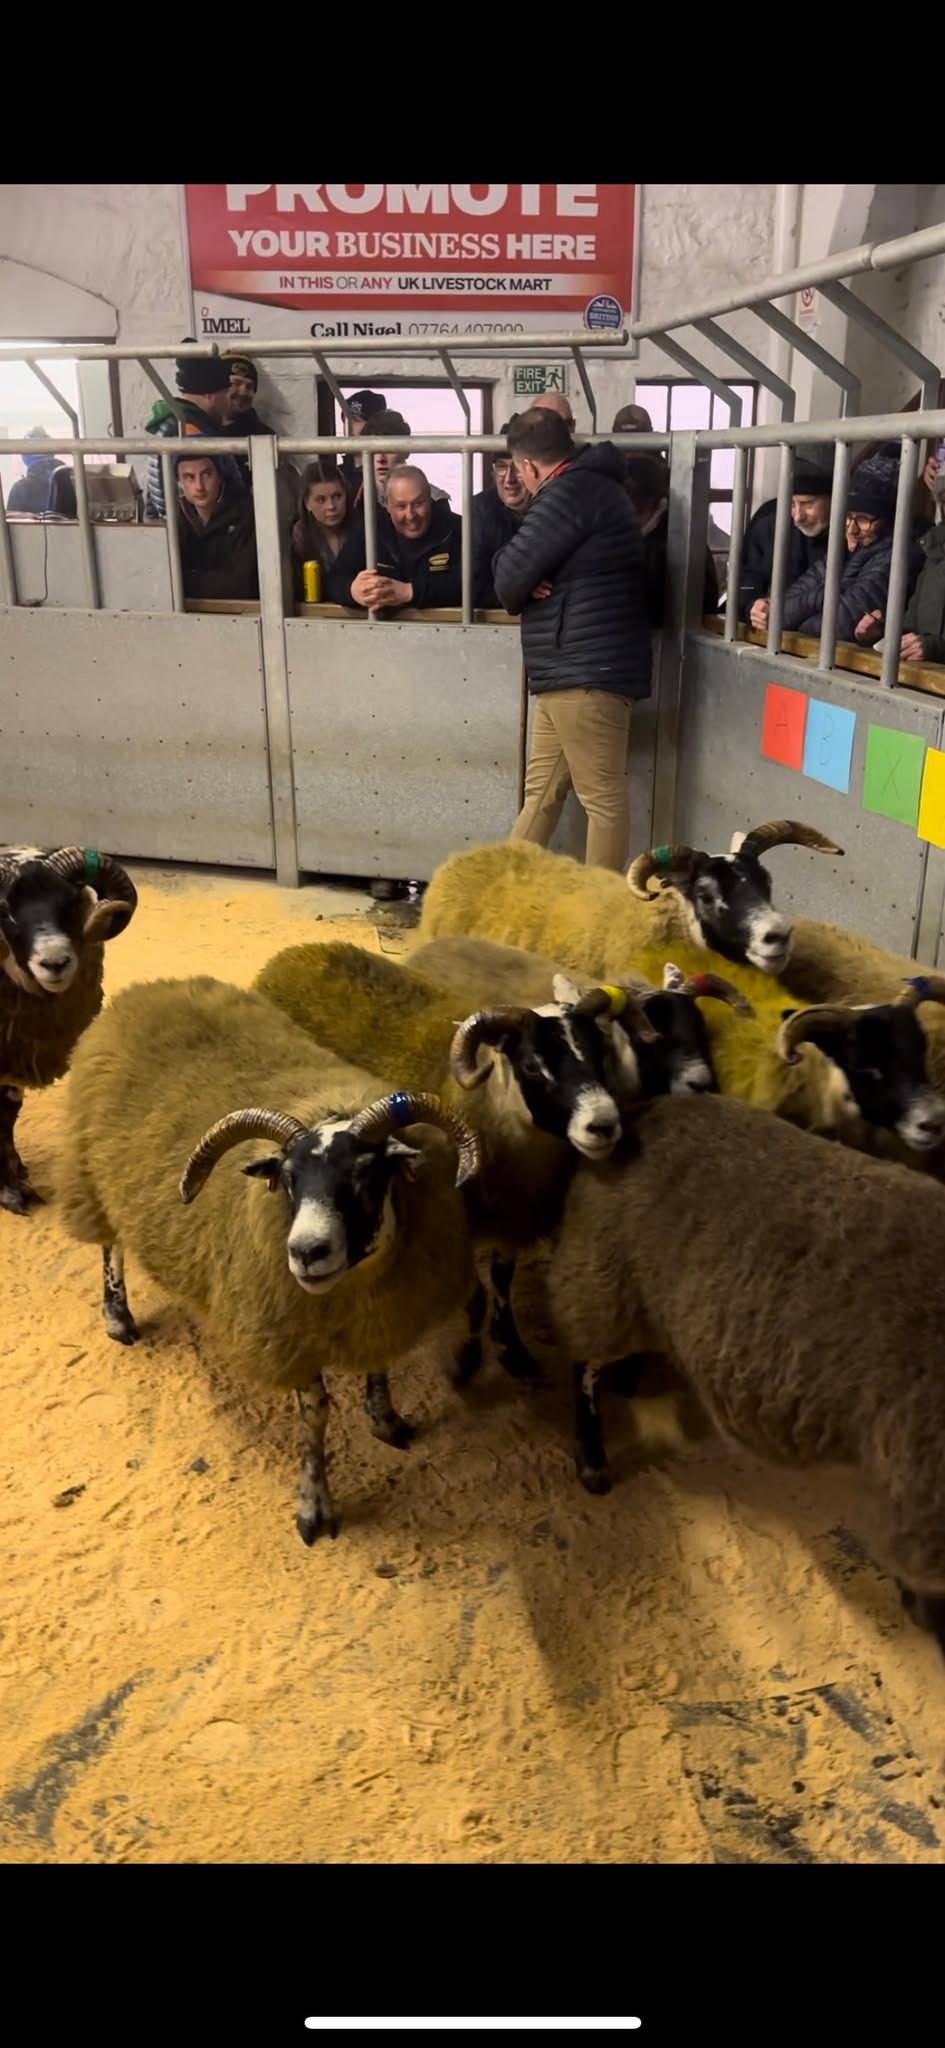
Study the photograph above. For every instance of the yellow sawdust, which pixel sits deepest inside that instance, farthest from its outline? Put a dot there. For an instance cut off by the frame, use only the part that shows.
(486, 1666)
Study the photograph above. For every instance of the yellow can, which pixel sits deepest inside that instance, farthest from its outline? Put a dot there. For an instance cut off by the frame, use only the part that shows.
(312, 582)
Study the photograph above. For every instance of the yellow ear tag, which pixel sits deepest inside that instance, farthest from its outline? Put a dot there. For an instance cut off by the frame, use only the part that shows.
(618, 998)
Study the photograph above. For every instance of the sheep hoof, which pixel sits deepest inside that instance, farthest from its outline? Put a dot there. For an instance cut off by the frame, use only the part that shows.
(321, 1523)
(121, 1329)
(594, 1478)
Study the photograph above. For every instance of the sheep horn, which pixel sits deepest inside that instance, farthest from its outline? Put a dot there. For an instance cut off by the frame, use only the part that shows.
(922, 988)
(707, 985)
(784, 832)
(611, 1001)
(662, 861)
(234, 1130)
(804, 1023)
(484, 1027)
(103, 918)
(393, 1112)
(100, 872)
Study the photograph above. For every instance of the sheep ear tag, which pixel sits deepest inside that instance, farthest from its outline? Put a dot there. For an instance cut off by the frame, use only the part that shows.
(737, 842)
(269, 1170)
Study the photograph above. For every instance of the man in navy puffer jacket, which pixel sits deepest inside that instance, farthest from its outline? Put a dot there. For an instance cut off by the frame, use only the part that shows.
(576, 572)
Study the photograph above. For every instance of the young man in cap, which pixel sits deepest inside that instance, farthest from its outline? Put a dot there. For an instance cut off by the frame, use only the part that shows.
(203, 408)
(363, 406)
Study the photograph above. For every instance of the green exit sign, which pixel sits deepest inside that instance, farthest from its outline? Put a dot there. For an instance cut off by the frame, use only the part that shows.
(530, 380)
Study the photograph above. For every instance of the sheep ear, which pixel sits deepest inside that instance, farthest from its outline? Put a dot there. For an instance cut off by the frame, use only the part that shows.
(673, 977)
(407, 1157)
(269, 1170)
(737, 842)
(564, 990)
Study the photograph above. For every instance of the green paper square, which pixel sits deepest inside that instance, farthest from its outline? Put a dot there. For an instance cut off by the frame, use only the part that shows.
(893, 777)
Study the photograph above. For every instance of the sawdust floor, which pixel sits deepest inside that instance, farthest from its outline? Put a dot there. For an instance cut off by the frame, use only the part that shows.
(486, 1666)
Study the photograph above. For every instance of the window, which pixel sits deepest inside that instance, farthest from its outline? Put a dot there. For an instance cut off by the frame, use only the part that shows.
(433, 408)
(26, 404)
(677, 405)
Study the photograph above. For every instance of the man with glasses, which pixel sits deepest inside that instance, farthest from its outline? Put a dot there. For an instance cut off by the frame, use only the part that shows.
(497, 515)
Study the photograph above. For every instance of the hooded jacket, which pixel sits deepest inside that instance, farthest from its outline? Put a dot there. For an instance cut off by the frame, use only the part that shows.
(30, 493)
(925, 612)
(581, 535)
(218, 557)
(432, 563)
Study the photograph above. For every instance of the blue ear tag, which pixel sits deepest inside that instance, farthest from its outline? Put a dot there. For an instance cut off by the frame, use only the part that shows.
(918, 981)
(400, 1110)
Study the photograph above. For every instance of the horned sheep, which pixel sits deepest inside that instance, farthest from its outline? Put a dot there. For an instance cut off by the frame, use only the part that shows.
(546, 1091)
(56, 911)
(801, 1365)
(862, 1076)
(376, 1253)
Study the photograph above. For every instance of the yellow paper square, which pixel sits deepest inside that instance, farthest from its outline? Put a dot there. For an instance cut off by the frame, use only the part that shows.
(932, 801)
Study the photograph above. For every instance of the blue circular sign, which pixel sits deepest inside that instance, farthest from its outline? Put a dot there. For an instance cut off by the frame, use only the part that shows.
(603, 312)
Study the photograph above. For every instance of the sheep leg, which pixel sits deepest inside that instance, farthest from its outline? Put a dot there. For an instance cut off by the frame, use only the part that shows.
(468, 1359)
(590, 1457)
(118, 1319)
(16, 1193)
(316, 1515)
(385, 1422)
(513, 1355)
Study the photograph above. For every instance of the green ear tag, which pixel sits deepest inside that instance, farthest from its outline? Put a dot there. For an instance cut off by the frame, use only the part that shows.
(91, 863)
(661, 855)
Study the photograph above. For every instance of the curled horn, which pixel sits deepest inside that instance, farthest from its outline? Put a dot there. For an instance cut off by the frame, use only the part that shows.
(234, 1130)
(922, 988)
(662, 861)
(611, 1001)
(118, 897)
(484, 1027)
(392, 1112)
(784, 832)
(714, 985)
(804, 1023)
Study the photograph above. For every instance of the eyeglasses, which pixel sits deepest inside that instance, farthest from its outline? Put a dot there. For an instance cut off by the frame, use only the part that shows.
(861, 522)
(503, 463)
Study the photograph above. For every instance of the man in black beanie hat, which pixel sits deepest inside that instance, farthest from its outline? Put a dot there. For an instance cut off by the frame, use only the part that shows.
(202, 408)
(363, 407)
(807, 541)
(864, 575)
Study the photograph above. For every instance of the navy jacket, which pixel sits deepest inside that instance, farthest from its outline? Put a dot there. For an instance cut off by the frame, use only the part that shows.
(758, 556)
(432, 564)
(581, 535)
(864, 587)
(493, 524)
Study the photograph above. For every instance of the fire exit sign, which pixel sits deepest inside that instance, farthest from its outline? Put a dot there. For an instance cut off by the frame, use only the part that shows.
(529, 380)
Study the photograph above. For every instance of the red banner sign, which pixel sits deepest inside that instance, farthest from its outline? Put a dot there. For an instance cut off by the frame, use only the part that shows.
(411, 259)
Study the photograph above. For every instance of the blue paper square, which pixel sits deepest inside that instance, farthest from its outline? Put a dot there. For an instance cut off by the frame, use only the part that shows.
(828, 744)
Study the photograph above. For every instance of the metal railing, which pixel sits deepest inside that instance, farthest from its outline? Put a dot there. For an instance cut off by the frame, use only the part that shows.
(826, 274)
(909, 429)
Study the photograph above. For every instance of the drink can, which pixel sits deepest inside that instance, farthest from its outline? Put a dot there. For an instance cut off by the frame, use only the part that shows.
(312, 582)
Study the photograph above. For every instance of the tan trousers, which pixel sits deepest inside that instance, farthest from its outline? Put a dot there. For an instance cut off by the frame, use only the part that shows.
(580, 740)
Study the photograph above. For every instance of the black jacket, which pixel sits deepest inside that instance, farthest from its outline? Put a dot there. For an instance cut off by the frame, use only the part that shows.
(864, 587)
(925, 612)
(493, 524)
(758, 556)
(654, 544)
(581, 535)
(31, 493)
(432, 564)
(219, 559)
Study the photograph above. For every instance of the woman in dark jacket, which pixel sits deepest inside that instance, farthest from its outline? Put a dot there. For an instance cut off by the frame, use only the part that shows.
(864, 577)
(576, 572)
(325, 522)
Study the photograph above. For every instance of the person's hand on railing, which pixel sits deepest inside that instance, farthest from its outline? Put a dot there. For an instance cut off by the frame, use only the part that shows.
(374, 591)
(912, 647)
(868, 629)
(758, 616)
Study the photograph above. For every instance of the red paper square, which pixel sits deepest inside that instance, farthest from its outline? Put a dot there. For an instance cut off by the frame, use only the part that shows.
(782, 734)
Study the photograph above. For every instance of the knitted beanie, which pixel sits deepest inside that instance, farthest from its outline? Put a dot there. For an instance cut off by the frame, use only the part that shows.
(241, 366)
(201, 374)
(873, 488)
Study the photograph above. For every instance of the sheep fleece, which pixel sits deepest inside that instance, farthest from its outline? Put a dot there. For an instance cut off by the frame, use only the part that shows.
(161, 1064)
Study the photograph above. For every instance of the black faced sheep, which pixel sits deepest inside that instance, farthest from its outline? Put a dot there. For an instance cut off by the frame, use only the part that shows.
(365, 1253)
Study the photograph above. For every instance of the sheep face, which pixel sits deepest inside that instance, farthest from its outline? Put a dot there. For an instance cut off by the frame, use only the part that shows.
(557, 1073)
(42, 922)
(727, 900)
(339, 1190)
(681, 1063)
(879, 1058)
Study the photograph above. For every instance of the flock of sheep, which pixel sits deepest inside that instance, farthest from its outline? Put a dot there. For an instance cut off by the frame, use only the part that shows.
(621, 1081)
